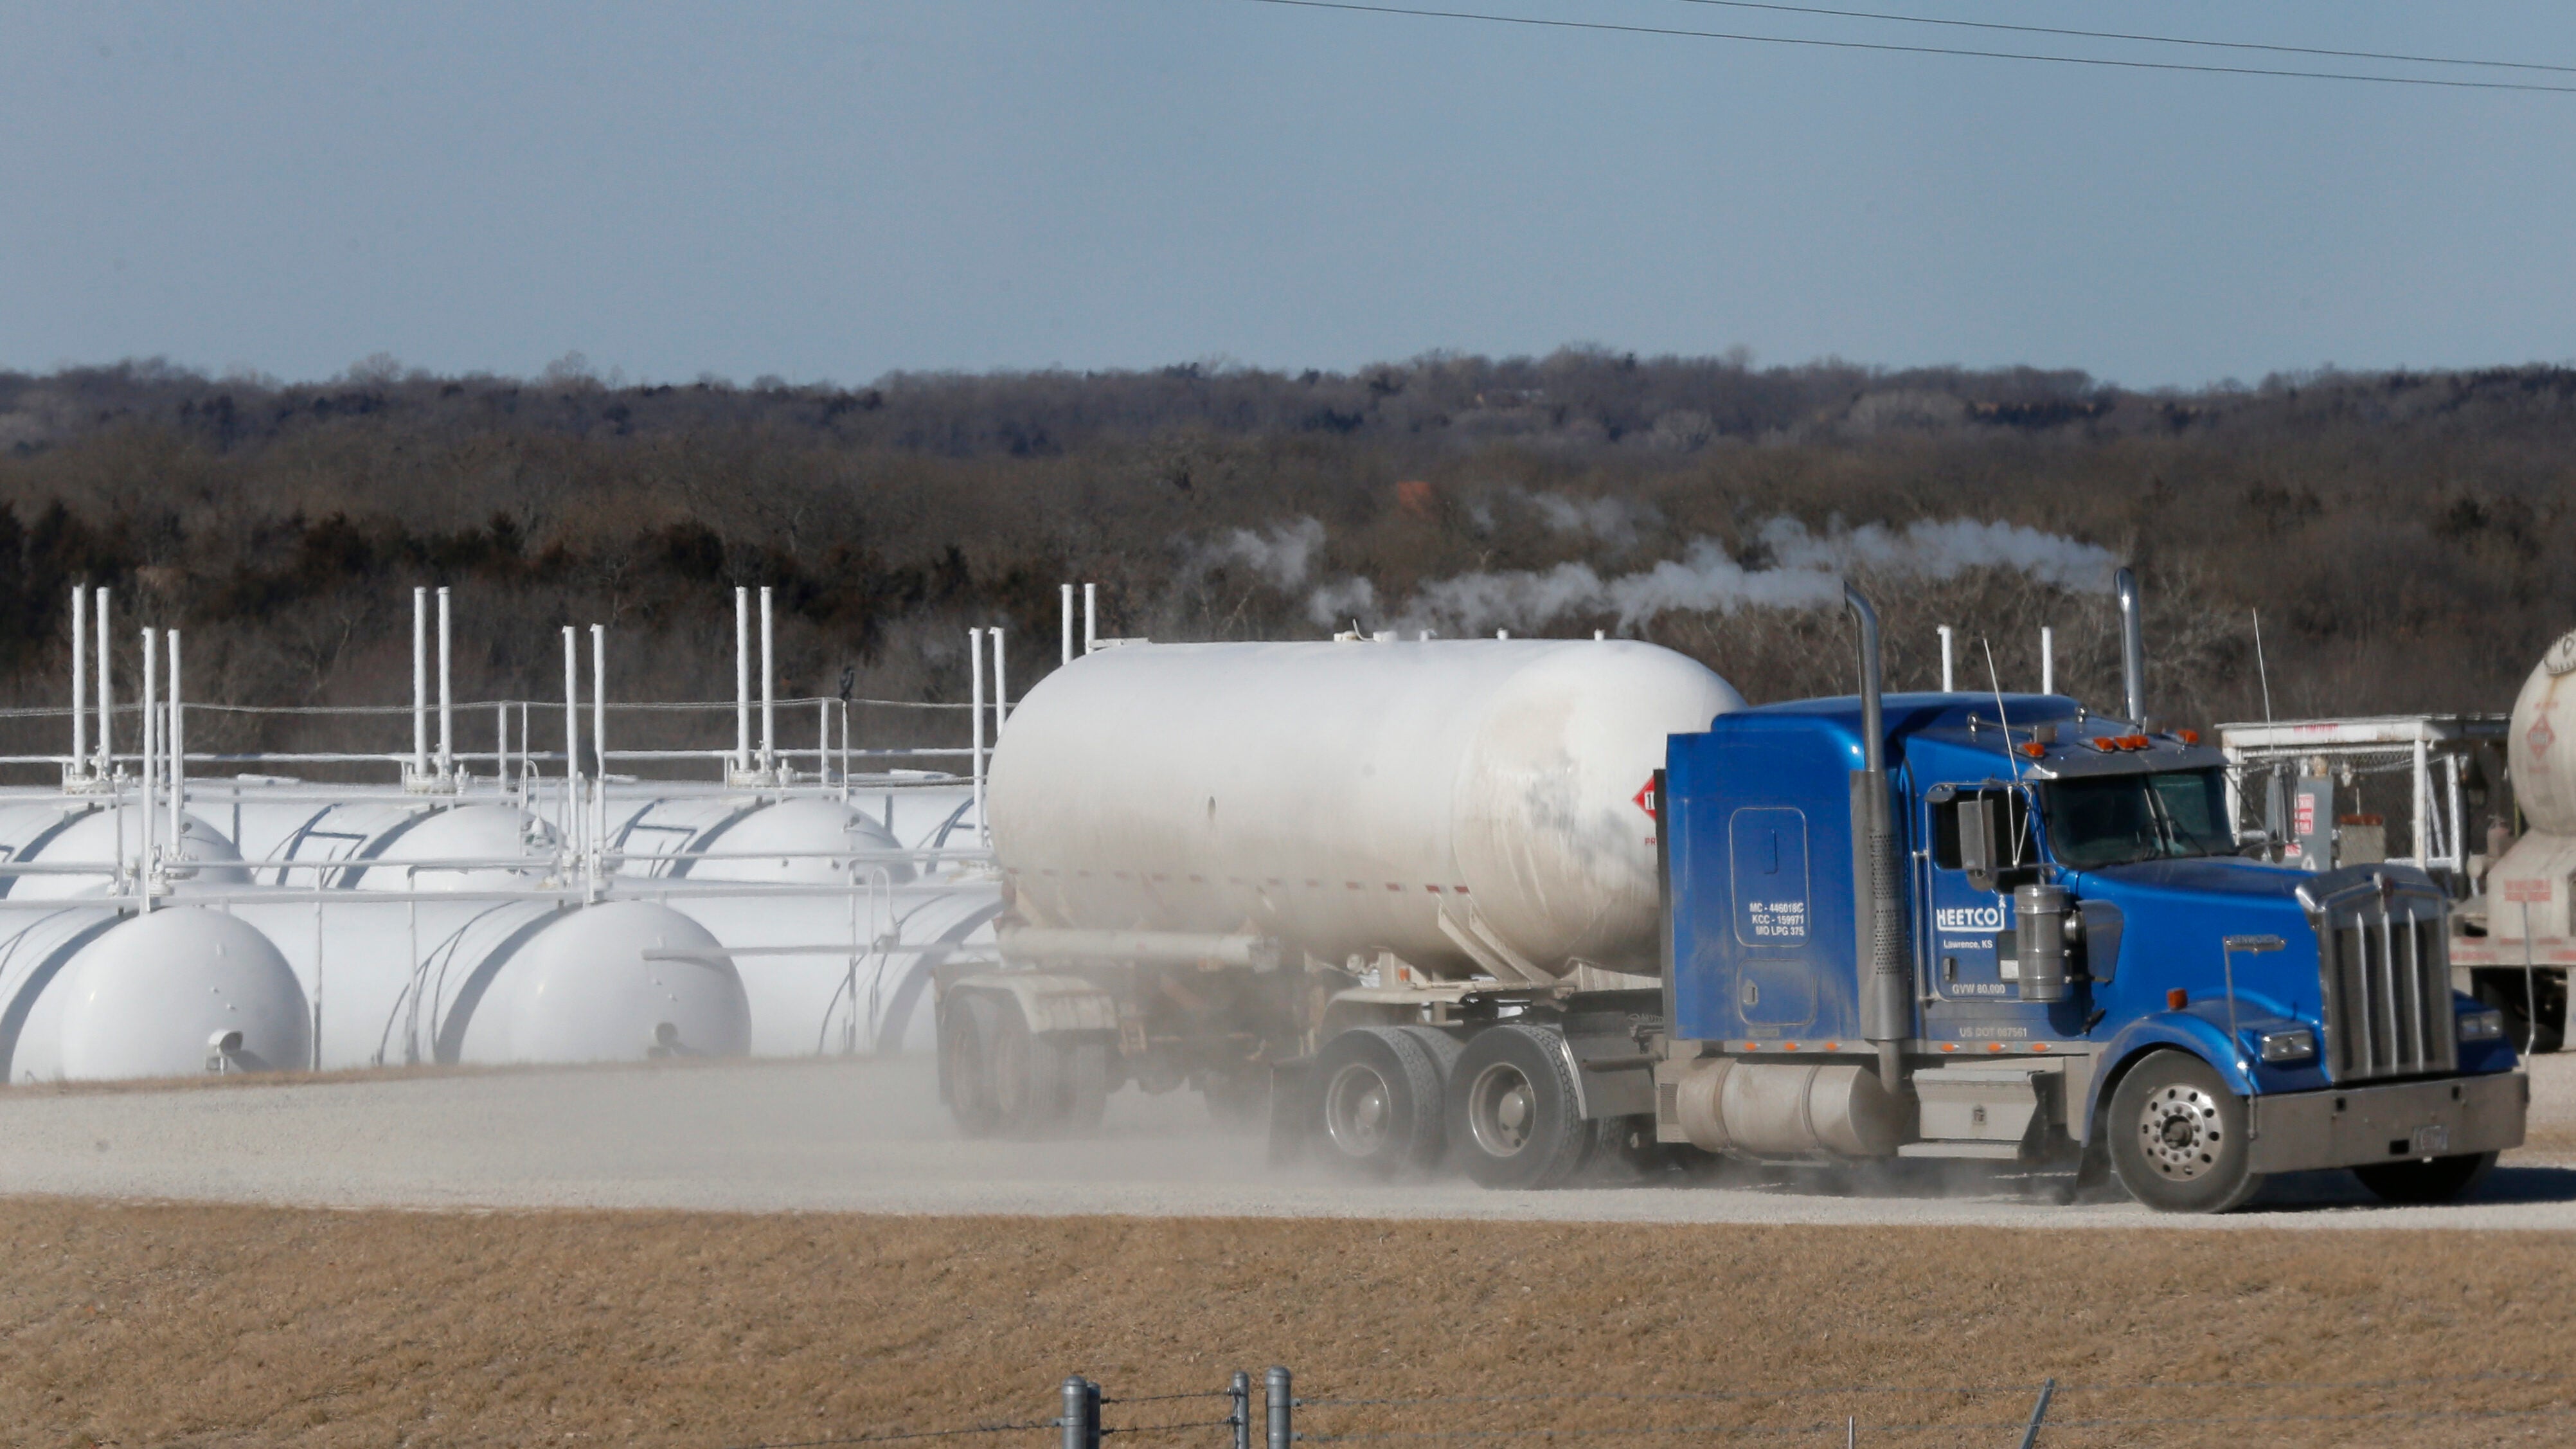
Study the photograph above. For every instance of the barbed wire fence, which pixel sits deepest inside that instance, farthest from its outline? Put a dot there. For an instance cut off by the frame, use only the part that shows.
(2025, 1414)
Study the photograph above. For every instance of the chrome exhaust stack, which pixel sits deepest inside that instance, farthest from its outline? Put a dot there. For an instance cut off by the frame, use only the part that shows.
(1886, 983)
(2133, 648)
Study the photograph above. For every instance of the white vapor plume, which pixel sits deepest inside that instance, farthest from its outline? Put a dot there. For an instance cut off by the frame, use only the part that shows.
(1341, 603)
(1806, 570)
(1283, 554)
(1613, 521)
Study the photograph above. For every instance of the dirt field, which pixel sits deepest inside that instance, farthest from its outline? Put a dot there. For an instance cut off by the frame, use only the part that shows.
(140, 1324)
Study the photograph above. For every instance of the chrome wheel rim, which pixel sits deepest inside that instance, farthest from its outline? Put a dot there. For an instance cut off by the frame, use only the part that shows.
(1357, 1107)
(2180, 1132)
(1501, 1109)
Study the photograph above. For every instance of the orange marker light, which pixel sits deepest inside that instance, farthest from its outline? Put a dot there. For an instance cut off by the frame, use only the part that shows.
(1949, 1046)
(2033, 749)
(1994, 1046)
(2191, 737)
(2177, 999)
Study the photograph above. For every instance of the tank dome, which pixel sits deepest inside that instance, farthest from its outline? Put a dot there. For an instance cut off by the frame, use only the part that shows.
(464, 832)
(620, 982)
(803, 832)
(205, 860)
(172, 993)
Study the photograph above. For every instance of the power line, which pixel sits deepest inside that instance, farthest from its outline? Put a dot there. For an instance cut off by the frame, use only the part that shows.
(2148, 39)
(1884, 46)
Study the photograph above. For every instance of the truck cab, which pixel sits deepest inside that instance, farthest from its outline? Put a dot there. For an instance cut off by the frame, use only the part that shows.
(2093, 974)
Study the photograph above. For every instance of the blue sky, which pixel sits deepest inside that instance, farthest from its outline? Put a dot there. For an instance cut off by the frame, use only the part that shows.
(834, 191)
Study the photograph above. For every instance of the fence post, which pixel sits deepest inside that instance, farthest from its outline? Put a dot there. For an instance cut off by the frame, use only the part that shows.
(2038, 1413)
(1079, 1414)
(1283, 1425)
(1239, 1392)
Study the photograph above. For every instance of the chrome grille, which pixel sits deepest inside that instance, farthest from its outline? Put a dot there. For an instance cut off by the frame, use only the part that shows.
(2384, 972)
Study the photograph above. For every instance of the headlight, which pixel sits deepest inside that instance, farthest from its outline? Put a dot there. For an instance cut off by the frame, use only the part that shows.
(2487, 1025)
(2294, 1045)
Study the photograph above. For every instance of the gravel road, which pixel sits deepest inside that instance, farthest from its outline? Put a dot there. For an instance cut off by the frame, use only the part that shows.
(869, 1136)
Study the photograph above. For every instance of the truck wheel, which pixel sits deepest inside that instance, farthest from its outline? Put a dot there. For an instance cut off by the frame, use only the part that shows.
(1038, 1088)
(2178, 1137)
(965, 1065)
(1512, 1110)
(2426, 1180)
(1379, 1097)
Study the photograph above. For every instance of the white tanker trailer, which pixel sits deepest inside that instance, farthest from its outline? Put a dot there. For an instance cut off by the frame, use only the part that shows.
(1214, 853)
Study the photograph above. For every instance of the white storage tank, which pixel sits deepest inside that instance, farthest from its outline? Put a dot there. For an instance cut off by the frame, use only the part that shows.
(622, 981)
(1473, 806)
(799, 840)
(397, 844)
(173, 992)
(79, 844)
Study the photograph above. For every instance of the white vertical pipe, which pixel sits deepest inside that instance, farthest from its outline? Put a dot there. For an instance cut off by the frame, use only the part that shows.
(80, 676)
(975, 758)
(1001, 688)
(599, 700)
(768, 684)
(823, 741)
(1067, 594)
(1090, 616)
(106, 692)
(143, 842)
(599, 743)
(572, 739)
(420, 682)
(1947, 685)
(742, 679)
(501, 745)
(446, 692)
(178, 755)
(2047, 660)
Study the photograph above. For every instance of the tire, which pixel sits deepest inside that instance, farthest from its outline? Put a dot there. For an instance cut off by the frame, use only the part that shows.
(965, 1065)
(1511, 1109)
(2178, 1137)
(2426, 1180)
(1442, 1048)
(1377, 1103)
(1018, 1104)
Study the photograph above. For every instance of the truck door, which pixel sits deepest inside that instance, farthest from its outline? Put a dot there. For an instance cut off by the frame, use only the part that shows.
(1769, 876)
(1970, 941)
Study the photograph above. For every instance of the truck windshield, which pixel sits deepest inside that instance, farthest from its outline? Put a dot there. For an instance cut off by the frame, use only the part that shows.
(2117, 819)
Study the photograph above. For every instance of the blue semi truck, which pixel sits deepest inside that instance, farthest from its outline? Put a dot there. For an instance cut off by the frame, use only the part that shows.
(1981, 927)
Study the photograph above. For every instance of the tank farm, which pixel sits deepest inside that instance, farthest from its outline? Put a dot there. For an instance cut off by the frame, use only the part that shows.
(548, 894)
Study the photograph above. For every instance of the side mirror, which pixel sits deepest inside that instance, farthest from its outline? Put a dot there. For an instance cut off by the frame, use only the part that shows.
(1979, 843)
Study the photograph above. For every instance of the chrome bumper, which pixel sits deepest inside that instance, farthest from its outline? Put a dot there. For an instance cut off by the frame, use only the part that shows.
(2357, 1126)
